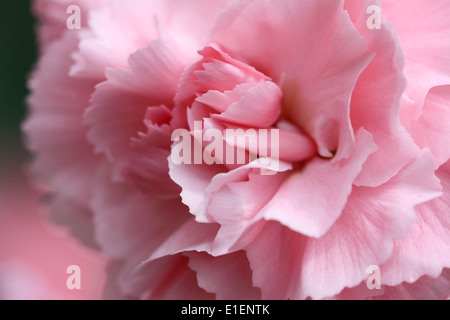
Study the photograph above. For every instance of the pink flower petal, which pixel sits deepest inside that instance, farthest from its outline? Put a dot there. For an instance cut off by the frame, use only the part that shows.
(119, 105)
(191, 236)
(234, 199)
(115, 30)
(426, 44)
(376, 100)
(120, 28)
(129, 224)
(53, 19)
(57, 104)
(258, 107)
(229, 276)
(169, 278)
(426, 249)
(431, 130)
(362, 236)
(193, 179)
(311, 199)
(148, 168)
(317, 73)
(425, 288)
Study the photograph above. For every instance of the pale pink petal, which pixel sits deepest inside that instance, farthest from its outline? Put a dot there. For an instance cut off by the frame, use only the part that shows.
(119, 105)
(315, 70)
(425, 288)
(312, 198)
(219, 182)
(193, 179)
(258, 107)
(54, 131)
(114, 31)
(169, 278)
(191, 236)
(229, 276)
(120, 28)
(53, 17)
(216, 71)
(361, 237)
(424, 33)
(220, 101)
(359, 292)
(431, 130)
(191, 21)
(376, 100)
(275, 258)
(148, 168)
(426, 249)
(234, 199)
(129, 224)
(372, 220)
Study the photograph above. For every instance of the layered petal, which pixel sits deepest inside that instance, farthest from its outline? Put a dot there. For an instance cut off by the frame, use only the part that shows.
(53, 17)
(426, 288)
(228, 276)
(119, 105)
(424, 32)
(426, 249)
(361, 237)
(375, 104)
(119, 28)
(169, 278)
(431, 130)
(312, 198)
(54, 129)
(316, 79)
(130, 225)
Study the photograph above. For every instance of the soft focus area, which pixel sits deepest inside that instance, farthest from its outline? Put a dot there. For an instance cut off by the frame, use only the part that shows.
(34, 253)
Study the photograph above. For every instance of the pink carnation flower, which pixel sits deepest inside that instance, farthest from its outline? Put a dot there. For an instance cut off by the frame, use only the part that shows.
(363, 175)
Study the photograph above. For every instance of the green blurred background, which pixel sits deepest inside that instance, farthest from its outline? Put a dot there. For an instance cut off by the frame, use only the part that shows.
(17, 57)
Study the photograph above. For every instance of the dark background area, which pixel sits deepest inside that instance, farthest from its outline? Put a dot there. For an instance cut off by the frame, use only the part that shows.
(17, 58)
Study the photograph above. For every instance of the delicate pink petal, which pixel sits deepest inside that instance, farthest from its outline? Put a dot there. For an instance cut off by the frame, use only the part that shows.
(426, 249)
(431, 130)
(316, 79)
(376, 100)
(191, 236)
(53, 17)
(131, 225)
(311, 199)
(169, 278)
(216, 71)
(54, 127)
(275, 258)
(193, 179)
(120, 28)
(114, 31)
(148, 168)
(258, 107)
(119, 105)
(233, 200)
(229, 276)
(362, 236)
(426, 45)
(425, 288)
(359, 292)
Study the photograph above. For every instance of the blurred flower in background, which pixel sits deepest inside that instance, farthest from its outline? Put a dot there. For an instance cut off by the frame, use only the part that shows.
(34, 252)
